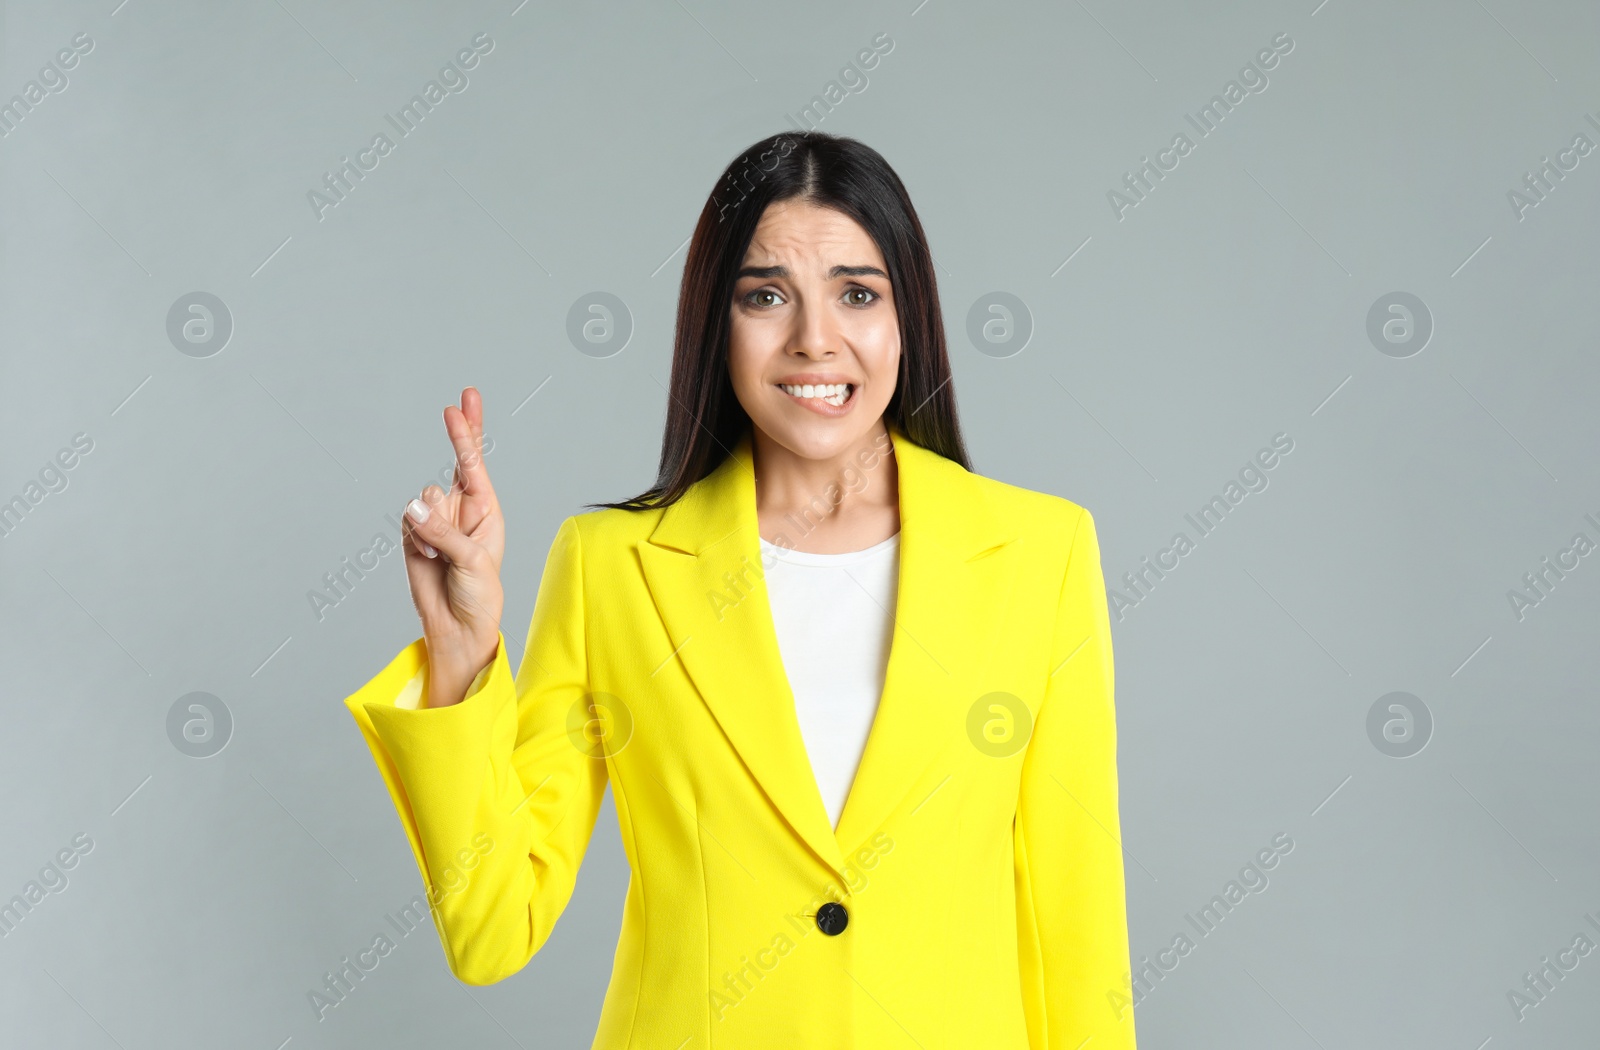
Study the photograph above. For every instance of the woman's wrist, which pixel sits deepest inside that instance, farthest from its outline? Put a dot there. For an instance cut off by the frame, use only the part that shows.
(445, 690)
(450, 675)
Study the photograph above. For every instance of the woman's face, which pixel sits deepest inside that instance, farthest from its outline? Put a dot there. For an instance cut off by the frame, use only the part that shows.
(813, 307)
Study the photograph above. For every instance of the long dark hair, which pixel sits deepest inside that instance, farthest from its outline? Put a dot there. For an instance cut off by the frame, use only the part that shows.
(704, 417)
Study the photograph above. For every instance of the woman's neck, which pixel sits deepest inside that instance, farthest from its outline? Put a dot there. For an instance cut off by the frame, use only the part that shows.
(846, 501)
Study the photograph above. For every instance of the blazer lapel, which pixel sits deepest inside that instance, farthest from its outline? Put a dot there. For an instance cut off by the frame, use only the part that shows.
(702, 563)
(958, 566)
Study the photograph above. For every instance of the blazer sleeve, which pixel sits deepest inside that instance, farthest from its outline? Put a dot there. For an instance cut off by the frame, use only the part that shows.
(1071, 908)
(498, 794)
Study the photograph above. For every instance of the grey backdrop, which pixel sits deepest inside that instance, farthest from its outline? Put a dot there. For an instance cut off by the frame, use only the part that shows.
(1341, 259)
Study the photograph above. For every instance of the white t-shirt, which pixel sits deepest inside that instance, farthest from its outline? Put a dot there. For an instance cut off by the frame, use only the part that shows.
(834, 618)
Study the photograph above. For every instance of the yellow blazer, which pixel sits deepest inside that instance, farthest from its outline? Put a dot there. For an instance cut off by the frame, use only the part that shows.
(972, 894)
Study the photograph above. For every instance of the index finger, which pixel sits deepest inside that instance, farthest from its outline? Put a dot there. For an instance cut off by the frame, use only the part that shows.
(465, 427)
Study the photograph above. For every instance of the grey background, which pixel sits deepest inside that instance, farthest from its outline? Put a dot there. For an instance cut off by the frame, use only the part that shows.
(1229, 306)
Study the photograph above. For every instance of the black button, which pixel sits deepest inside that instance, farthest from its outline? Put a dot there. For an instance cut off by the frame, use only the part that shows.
(832, 918)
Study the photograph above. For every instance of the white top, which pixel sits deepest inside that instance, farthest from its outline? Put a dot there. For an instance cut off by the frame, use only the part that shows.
(834, 617)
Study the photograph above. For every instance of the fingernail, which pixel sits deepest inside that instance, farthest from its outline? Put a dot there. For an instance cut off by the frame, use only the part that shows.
(417, 510)
(428, 549)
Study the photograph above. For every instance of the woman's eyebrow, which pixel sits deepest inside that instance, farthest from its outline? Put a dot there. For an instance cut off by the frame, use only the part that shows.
(837, 271)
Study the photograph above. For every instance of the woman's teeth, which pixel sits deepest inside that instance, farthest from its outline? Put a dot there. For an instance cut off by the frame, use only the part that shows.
(832, 393)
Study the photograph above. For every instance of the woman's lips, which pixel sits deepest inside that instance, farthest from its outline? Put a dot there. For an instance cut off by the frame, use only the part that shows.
(821, 407)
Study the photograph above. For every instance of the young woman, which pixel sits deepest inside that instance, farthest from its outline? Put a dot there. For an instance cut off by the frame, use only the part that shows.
(853, 701)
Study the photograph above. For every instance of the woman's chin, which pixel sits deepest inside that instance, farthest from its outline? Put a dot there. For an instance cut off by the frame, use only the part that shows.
(814, 436)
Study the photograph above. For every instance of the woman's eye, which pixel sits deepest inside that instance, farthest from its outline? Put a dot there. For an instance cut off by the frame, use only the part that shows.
(766, 297)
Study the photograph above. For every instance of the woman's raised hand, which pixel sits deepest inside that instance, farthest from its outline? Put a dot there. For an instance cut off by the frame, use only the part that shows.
(454, 543)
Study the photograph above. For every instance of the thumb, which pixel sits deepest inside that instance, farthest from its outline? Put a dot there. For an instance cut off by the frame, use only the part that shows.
(432, 525)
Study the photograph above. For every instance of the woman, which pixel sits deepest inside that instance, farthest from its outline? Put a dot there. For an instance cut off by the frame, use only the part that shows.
(814, 561)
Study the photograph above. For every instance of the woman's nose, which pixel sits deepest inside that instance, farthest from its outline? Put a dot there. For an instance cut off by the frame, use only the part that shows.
(816, 333)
